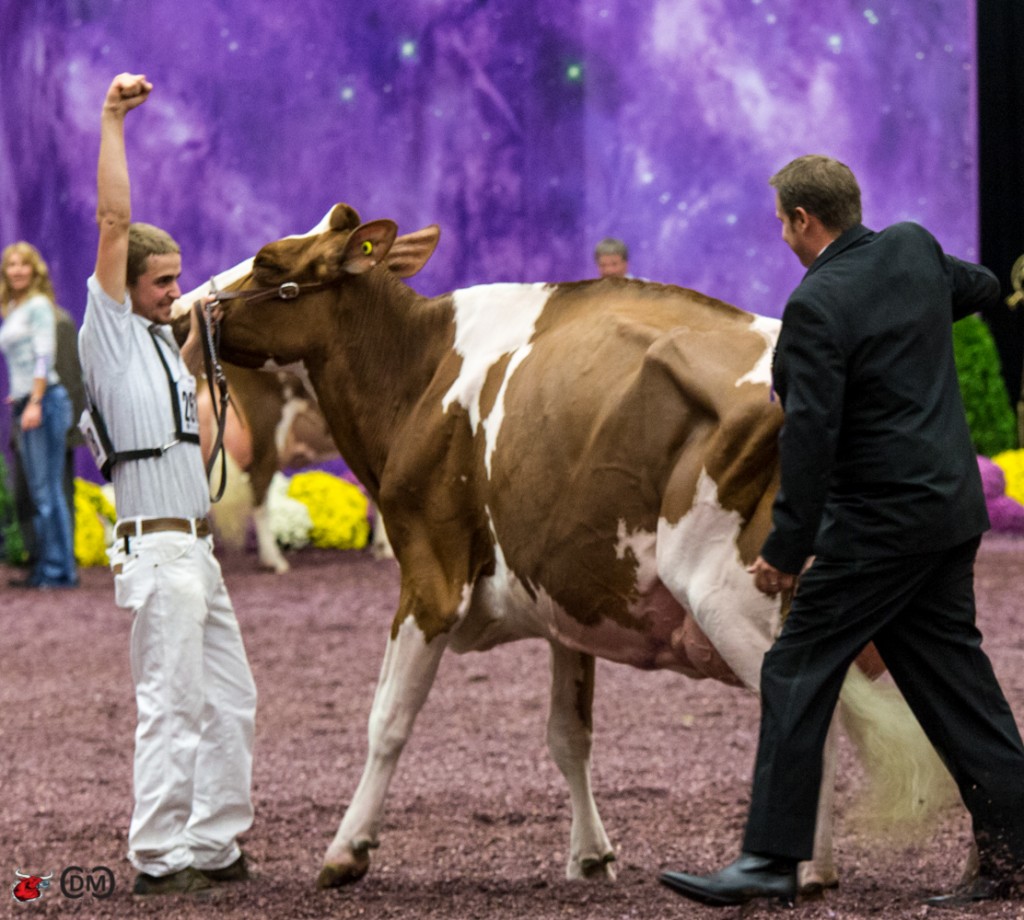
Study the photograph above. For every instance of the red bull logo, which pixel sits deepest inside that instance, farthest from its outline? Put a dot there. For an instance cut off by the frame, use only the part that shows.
(29, 887)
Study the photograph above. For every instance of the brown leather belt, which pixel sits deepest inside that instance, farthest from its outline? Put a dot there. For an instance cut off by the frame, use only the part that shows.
(160, 525)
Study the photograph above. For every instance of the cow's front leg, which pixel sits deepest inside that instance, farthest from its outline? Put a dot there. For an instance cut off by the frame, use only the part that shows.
(410, 665)
(570, 723)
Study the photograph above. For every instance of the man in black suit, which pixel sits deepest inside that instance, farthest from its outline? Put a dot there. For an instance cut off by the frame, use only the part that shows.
(880, 485)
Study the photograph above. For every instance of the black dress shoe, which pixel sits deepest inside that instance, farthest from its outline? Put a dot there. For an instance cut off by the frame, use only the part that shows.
(983, 888)
(749, 877)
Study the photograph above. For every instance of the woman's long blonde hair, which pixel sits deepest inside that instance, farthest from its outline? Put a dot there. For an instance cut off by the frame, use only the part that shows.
(40, 283)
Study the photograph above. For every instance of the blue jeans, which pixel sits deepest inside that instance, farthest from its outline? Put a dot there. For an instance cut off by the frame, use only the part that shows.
(43, 456)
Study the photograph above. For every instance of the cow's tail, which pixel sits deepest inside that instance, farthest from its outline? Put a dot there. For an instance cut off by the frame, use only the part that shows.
(907, 786)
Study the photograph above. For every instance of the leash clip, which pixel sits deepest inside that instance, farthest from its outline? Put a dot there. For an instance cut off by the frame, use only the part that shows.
(215, 291)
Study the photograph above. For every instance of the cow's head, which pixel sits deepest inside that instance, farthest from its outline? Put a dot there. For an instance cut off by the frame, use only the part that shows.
(338, 247)
(323, 264)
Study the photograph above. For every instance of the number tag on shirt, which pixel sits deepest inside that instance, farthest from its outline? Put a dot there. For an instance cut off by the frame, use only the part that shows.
(189, 408)
(93, 441)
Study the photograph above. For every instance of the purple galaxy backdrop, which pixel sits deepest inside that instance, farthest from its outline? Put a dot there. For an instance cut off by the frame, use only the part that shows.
(526, 129)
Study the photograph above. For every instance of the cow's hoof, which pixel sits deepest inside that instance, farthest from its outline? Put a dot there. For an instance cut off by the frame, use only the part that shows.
(594, 867)
(336, 875)
(813, 884)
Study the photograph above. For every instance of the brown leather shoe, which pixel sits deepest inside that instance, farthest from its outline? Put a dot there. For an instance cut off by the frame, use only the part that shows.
(238, 871)
(184, 881)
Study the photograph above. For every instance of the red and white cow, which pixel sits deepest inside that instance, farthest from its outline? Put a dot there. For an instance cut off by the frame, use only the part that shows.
(592, 464)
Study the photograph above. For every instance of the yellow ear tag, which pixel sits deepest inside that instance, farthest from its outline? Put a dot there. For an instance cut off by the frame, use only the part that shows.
(367, 247)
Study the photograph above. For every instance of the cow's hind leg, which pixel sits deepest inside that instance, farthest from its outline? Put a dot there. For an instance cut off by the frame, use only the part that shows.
(819, 873)
(410, 665)
(570, 723)
(380, 546)
(265, 463)
(267, 550)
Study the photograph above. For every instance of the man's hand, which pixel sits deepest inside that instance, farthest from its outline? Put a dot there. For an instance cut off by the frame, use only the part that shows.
(768, 579)
(192, 349)
(126, 92)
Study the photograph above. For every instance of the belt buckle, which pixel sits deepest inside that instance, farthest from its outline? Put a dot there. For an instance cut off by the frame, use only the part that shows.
(126, 530)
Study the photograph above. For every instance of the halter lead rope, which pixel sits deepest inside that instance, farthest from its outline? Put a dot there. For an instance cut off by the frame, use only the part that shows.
(220, 398)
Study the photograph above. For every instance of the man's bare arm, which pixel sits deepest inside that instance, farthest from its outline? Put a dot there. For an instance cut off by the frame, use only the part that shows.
(113, 201)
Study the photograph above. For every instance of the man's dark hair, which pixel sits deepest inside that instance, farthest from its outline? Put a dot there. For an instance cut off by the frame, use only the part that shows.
(821, 186)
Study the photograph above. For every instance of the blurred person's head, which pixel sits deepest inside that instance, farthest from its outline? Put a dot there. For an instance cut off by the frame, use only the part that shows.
(612, 258)
(23, 272)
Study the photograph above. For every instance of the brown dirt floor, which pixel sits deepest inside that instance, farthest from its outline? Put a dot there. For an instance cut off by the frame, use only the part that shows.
(478, 821)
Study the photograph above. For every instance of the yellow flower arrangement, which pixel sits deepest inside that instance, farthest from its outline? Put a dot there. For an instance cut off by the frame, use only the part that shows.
(1011, 462)
(94, 517)
(337, 508)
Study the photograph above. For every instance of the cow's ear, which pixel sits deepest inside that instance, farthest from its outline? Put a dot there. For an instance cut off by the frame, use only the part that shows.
(343, 217)
(410, 251)
(368, 244)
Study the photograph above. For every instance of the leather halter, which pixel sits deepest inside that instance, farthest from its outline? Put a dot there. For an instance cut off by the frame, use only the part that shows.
(220, 397)
(288, 290)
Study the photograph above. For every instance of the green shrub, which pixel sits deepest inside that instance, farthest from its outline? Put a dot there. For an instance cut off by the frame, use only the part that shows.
(989, 414)
(11, 544)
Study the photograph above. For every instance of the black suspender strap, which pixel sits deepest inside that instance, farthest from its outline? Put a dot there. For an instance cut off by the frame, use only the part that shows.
(107, 457)
(175, 404)
(95, 429)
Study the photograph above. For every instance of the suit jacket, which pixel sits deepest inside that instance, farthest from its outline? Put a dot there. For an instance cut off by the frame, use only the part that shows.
(70, 371)
(876, 457)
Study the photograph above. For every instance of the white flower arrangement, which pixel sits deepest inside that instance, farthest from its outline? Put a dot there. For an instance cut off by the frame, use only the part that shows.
(290, 521)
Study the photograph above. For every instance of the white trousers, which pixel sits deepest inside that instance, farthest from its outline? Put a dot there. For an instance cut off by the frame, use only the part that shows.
(196, 705)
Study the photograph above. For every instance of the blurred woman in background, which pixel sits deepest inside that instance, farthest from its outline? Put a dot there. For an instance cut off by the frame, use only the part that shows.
(41, 409)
